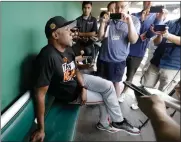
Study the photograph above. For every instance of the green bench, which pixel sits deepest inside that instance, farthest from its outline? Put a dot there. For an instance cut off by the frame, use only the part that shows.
(60, 122)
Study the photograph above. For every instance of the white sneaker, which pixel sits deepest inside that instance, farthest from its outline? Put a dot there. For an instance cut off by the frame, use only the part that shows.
(134, 106)
(121, 98)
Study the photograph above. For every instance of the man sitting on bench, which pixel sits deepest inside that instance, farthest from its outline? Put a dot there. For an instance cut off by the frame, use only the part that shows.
(56, 73)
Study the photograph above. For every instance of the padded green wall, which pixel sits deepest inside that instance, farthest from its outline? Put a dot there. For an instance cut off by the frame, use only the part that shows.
(23, 34)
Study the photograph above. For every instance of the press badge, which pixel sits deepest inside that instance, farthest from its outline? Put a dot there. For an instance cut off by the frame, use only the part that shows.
(115, 37)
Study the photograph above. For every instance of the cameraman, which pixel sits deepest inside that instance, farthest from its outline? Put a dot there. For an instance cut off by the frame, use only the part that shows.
(115, 46)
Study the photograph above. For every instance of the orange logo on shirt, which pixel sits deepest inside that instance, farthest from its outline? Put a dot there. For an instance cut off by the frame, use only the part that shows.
(65, 60)
(69, 71)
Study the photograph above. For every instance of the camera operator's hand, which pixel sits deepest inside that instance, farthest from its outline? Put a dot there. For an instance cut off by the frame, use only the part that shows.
(93, 38)
(160, 33)
(151, 106)
(104, 20)
(126, 18)
(80, 58)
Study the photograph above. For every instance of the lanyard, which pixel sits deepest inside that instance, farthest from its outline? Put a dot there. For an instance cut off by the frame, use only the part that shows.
(116, 23)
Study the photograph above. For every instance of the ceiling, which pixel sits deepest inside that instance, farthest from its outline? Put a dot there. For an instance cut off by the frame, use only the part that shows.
(103, 4)
(96, 5)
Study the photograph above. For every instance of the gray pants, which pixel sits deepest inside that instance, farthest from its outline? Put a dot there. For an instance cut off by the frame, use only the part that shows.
(101, 91)
(168, 78)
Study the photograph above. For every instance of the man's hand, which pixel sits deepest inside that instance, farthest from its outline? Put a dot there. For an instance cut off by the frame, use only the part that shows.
(104, 20)
(38, 136)
(159, 33)
(152, 106)
(80, 58)
(83, 96)
(143, 36)
(126, 18)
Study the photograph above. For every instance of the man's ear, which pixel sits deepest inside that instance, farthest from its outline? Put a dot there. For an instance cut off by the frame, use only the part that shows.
(55, 35)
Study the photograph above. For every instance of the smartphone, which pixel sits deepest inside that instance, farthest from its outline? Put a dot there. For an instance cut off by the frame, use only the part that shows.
(115, 16)
(140, 91)
(156, 9)
(159, 27)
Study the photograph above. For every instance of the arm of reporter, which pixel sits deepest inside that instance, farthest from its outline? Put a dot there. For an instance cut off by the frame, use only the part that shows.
(83, 66)
(173, 38)
(132, 32)
(92, 32)
(165, 128)
(80, 58)
(88, 34)
(101, 32)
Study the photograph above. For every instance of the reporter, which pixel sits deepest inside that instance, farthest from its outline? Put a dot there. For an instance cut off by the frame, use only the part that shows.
(165, 64)
(87, 24)
(165, 128)
(116, 36)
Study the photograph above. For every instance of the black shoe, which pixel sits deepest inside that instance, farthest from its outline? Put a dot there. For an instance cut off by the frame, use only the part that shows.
(127, 127)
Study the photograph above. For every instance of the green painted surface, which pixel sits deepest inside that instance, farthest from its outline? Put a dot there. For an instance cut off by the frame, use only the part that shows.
(22, 35)
(19, 126)
(60, 123)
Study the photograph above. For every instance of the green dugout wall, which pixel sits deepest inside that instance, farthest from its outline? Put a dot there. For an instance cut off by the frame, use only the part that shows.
(22, 35)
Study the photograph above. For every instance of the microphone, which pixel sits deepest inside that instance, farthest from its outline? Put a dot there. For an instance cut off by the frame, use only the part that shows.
(82, 52)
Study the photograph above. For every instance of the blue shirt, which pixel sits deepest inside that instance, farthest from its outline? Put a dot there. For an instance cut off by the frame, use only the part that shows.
(167, 55)
(139, 48)
(115, 48)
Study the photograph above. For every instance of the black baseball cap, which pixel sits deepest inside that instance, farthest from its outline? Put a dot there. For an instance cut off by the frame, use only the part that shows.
(58, 22)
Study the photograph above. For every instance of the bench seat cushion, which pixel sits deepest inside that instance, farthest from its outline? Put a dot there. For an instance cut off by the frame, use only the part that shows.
(60, 123)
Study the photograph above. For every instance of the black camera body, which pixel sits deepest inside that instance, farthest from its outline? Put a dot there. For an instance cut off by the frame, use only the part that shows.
(160, 27)
(156, 9)
(116, 16)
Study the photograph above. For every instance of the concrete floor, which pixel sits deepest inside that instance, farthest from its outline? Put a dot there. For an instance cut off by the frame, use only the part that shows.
(86, 130)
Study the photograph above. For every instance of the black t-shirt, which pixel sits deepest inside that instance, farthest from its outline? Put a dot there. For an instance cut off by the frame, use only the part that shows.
(89, 25)
(57, 70)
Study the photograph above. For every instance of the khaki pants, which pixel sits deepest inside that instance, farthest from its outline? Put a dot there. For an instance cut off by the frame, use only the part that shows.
(168, 78)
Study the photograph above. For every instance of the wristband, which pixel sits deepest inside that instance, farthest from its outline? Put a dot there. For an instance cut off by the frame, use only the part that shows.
(85, 87)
